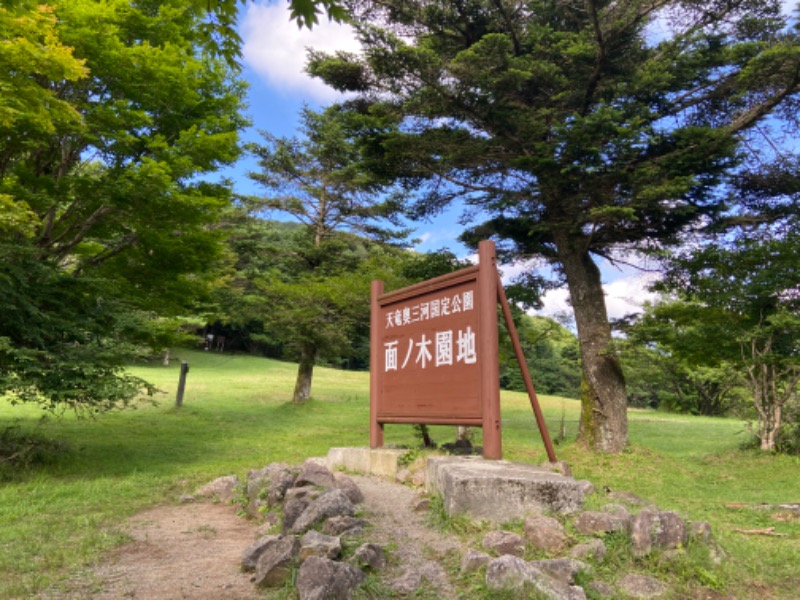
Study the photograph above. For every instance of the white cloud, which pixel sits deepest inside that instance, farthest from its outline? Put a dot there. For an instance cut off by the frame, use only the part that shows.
(275, 49)
(623, 296)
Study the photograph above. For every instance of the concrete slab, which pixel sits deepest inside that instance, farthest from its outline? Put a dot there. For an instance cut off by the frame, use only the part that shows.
(499, 491)
(383, 462)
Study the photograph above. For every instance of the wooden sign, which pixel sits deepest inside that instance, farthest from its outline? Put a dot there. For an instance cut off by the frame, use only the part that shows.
(434, 356)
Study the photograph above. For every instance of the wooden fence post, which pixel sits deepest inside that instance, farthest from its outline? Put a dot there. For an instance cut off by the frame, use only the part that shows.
(182, 383)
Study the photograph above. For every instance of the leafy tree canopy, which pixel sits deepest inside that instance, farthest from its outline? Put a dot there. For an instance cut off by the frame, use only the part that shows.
(571, 129)
(110, 118)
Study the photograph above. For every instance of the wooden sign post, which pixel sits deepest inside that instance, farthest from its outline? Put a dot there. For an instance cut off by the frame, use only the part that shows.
(434, 353)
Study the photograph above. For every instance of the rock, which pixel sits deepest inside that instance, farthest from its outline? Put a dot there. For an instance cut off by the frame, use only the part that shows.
(594, 549)
(323, 579)
(280, 481)
(306, 492)
(499, 491)
(512, 573)
(563, 569)
(255, 550)
(314, 543)
(271, 521)
(344, 525)
(369, 556)
(268, 484)
(508, 572)
(330, 504)
(504, 542)
(642, 587)
(315, 474)
(473, 560)
(628, 498)
(700, 531)
(421, 505)
(594, 522)
(403, 475)
(545, 533)
(222, 489)
(292, 509)
(349, 487)
(559, 466)
(187, 498)
(652, 528)
(601, 589)
(418, 478)
(615, 509)
(407, 583)
(274, 564)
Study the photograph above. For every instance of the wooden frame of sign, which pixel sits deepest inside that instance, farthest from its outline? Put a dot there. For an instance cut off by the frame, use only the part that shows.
(434, 354)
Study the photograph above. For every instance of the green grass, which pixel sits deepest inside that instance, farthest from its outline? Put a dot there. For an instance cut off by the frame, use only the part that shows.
(59, 517)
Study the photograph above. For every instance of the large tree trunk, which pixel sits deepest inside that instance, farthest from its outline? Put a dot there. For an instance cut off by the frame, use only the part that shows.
(604, 419)
(305, 372)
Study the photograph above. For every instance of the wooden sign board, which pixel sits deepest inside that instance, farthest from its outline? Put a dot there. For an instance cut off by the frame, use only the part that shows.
(434, 357)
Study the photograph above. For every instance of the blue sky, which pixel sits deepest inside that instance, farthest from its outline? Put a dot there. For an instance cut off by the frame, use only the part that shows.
(274, 54)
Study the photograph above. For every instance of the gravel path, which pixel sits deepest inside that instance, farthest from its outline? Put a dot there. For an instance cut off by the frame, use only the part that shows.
(194, 550)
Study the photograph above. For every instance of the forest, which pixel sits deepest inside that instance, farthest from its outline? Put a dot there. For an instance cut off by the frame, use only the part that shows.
(571, 132)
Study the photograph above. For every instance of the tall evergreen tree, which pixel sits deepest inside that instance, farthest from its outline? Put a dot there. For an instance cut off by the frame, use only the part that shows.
(316, 180)
(575, 128)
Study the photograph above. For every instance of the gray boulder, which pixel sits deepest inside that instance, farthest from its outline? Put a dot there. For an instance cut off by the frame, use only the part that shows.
(545, 533)
(601, 522)
(504, 542)
(306, 492)
(255, 550)
(652, 528)
(323, 579)
(594, 549)
(269, 485)
(314, 474)
(344, 525)
(222, 489)
(509, 572)
(349, 487)
(370, 557)
(407, 583)
(700, 531)
(292, 509)
(642, 587)
(330, 504)
(512, 573)
(314, 543)
(474, 560)
(563, 569)
(275, 562)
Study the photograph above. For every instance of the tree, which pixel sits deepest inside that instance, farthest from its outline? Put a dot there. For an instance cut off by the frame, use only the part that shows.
(110, 119)
(679, 357)
(575, 128)
(219, 32)
(746, 281)
(551, 352)
(317, 181)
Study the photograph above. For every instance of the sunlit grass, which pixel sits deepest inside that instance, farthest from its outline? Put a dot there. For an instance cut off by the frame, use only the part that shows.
(236, 415)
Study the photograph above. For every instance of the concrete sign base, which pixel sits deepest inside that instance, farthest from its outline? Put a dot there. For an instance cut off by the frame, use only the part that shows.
(499, 491)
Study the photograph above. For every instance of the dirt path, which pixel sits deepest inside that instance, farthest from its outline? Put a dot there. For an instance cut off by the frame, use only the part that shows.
(194, 550)
(185, 551)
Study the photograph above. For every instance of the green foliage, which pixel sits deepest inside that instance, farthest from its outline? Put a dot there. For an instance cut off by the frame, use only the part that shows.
(575, 133)
(551, 352)
(235, 414)
(22, 450)
(102, 182)
(64, 340)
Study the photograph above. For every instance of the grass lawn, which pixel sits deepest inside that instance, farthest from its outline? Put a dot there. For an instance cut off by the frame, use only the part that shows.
(59, 517)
